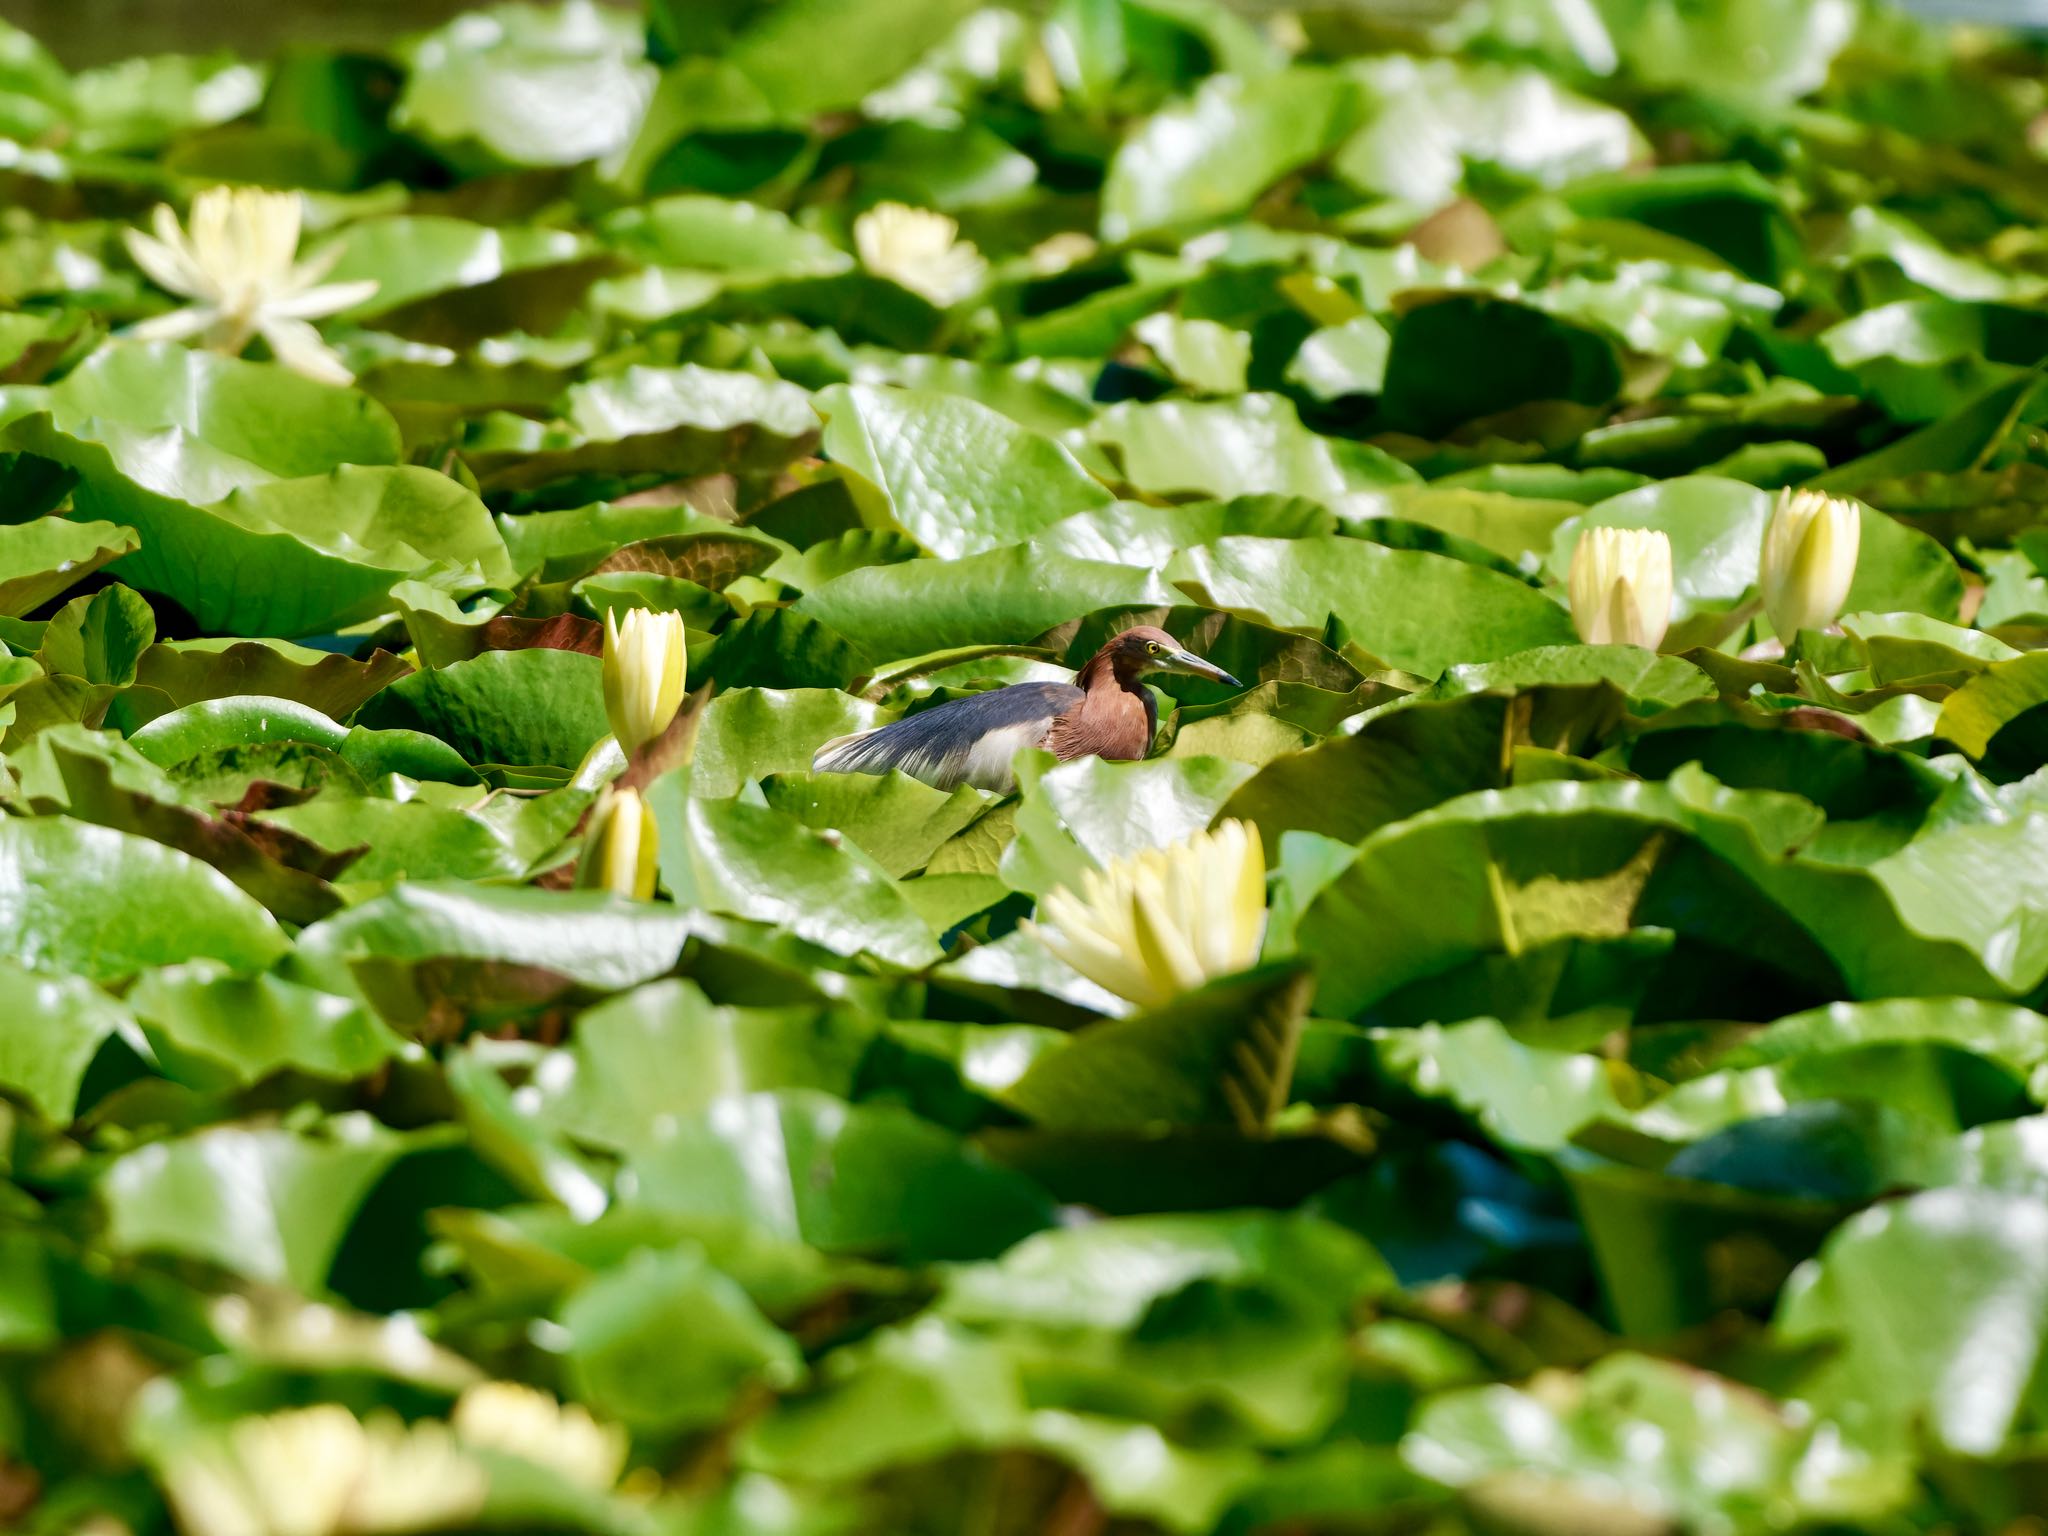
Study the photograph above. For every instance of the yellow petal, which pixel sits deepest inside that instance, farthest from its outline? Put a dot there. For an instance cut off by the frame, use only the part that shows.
(1164, 920)
(620, 846)
(1166, 949)
(1808, 562)
(1248, 901)
(644, 674)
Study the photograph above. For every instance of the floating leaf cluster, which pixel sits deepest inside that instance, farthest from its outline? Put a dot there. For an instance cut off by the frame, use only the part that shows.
(1560, 1049)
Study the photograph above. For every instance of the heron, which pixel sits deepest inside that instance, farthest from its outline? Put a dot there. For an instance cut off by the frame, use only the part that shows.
(1104, 712)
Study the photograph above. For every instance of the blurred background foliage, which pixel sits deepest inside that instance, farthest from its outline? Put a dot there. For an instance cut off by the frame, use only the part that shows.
(1651, 1131)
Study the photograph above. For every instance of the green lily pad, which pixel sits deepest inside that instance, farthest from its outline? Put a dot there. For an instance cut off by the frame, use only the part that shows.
(956, 476)
(103, 904)
(528, 708)
(1417, 611)
(42, 559)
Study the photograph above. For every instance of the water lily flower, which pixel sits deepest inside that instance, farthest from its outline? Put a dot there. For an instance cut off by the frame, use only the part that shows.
(1621, 586)
(619, 846)
(1809, 560)
(1164, 921)
(321, 1471)
(644, 671)
(522, 1421)
(238, 264)
(919, 250)
(415, 1477)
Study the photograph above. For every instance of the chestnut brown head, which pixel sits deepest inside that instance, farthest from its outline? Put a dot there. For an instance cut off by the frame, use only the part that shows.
(1149, 649)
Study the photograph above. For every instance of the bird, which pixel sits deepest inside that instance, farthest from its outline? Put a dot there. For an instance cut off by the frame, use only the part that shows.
(1105, 711)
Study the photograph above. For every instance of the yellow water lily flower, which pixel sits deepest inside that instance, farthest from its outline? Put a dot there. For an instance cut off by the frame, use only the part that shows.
(645, 668)
(1164, 921)
(321, 1471)
(1621, 586)
(1809, 560)
(919, 250)
(619, 846)
(522, 1421)
(238, 262)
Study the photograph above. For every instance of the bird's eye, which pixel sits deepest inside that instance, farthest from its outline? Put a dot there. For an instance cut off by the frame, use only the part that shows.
(1155, 647)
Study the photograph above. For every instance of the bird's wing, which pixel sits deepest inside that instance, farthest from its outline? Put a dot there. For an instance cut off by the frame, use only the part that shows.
(963, 741)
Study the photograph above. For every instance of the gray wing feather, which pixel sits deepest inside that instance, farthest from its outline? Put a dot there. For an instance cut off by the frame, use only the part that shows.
(938, 744)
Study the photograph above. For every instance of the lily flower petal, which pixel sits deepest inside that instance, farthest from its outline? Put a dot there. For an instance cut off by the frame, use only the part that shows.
(1809, 560)
(1166, 920)
(918, 249)
(236, 259)
(1621, 585)
(327, 299)
(176, 324)
(299, 347)
(645, 669)
(163, 262)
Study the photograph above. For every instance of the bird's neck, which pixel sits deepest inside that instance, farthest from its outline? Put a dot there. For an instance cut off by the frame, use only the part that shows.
(1107, 668)
(1115, 718)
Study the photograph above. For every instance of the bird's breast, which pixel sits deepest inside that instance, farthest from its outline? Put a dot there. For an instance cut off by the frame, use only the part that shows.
(1108, 722)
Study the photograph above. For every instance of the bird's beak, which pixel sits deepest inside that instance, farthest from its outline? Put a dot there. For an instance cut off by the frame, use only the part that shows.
(1194, 666)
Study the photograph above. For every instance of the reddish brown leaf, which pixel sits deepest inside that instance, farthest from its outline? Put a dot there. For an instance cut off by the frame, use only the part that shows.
(708, 559)
(563, 632)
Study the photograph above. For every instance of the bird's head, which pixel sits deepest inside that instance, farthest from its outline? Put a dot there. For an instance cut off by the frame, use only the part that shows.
(1146, 649)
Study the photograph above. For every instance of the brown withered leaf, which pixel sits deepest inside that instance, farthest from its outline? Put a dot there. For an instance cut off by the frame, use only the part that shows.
(711, 560)
(261, 795)
(562, 876)
(562, 632)
(1805, 717)
(1460, 234)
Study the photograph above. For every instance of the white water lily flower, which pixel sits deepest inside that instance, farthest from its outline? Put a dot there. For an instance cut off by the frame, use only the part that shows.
(645, 668)
(237, 262)
(522, 1421)
(919, 250)
(415, 1477)
(1809, 560)
(619, 846)
(322, 1472)
(1621, 586)
(1164, 921)
(280, 1474)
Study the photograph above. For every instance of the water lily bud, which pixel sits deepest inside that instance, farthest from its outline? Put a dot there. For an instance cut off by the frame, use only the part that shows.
(619, 846)
(1809, 560)
(1164, 921)
(644, 672)
(1621, 586)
